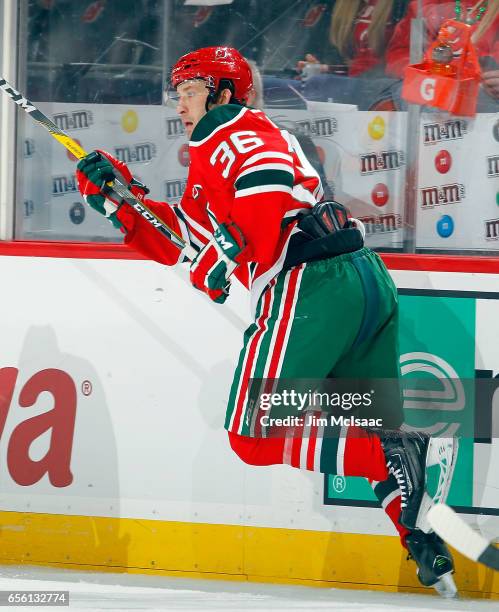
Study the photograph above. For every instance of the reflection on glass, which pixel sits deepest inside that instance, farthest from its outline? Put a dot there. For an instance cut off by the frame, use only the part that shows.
(330, 73)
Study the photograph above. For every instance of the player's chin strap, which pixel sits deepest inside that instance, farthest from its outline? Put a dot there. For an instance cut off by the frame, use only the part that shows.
(326, 231)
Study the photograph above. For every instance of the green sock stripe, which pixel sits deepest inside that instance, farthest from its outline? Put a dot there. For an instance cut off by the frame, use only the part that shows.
(329, 454)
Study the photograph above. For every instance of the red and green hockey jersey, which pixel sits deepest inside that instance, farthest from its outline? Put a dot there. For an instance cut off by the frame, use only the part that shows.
(243, 170)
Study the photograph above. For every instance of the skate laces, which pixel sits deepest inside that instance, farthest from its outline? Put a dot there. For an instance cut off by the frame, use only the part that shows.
(399, 476)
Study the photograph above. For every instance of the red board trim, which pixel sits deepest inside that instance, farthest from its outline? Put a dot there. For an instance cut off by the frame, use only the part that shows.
(72, 250)
(441, 263)
(394, 261)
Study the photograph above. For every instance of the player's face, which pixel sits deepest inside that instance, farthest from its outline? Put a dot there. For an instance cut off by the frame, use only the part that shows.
(191, 103)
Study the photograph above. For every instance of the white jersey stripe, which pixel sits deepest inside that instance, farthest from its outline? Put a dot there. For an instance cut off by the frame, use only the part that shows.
(184, 230)
(274, 336)
(318, 192)
(264, 326)
(277, 326)
(303, 195)
(288, 448)
(259, 284)
(291, 318)
(390, 497)
(268, 155)
(199, 228)
(305, 443)
(196, 242)
(340, 455)
(295, 211)
(318, 447)
(260, 323)
(189, 232)
(264, 388)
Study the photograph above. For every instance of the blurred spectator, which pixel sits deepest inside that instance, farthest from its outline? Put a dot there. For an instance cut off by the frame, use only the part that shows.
(139, 35)
(41, 17)
(484, 19)
(290, 31)
(359, 33)
(124, 32)
(274, 33)
(198, 24)
(87, 48)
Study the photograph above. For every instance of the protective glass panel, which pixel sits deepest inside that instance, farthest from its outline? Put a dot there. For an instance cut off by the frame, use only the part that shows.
(83, 58)
(398, 117)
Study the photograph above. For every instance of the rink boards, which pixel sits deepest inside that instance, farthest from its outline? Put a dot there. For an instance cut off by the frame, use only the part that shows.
(114, 380)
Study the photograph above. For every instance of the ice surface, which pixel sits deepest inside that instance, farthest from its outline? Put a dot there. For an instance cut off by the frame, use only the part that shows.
(121, 592)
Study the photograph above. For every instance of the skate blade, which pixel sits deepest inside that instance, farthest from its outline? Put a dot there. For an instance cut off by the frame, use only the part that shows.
(446, 587)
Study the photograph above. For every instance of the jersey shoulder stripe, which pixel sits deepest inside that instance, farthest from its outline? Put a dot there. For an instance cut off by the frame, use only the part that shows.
(260, 167)
(250, 191)
(267, 155)
(265, 177)
(215, 120)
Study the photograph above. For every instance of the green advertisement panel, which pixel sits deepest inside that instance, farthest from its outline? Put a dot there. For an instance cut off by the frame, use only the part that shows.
(437, 343)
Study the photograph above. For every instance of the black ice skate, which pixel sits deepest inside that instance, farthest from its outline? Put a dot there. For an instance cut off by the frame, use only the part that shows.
(434, 561)
(406, 460)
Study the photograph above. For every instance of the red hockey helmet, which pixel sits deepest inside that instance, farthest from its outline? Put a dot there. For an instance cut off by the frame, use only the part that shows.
(214, 64)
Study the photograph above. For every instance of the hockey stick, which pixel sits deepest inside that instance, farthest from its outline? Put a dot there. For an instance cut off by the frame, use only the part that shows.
(117, 188)
(461, 536)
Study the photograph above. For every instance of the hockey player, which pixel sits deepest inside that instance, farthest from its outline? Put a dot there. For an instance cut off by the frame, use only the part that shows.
(323, 304)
